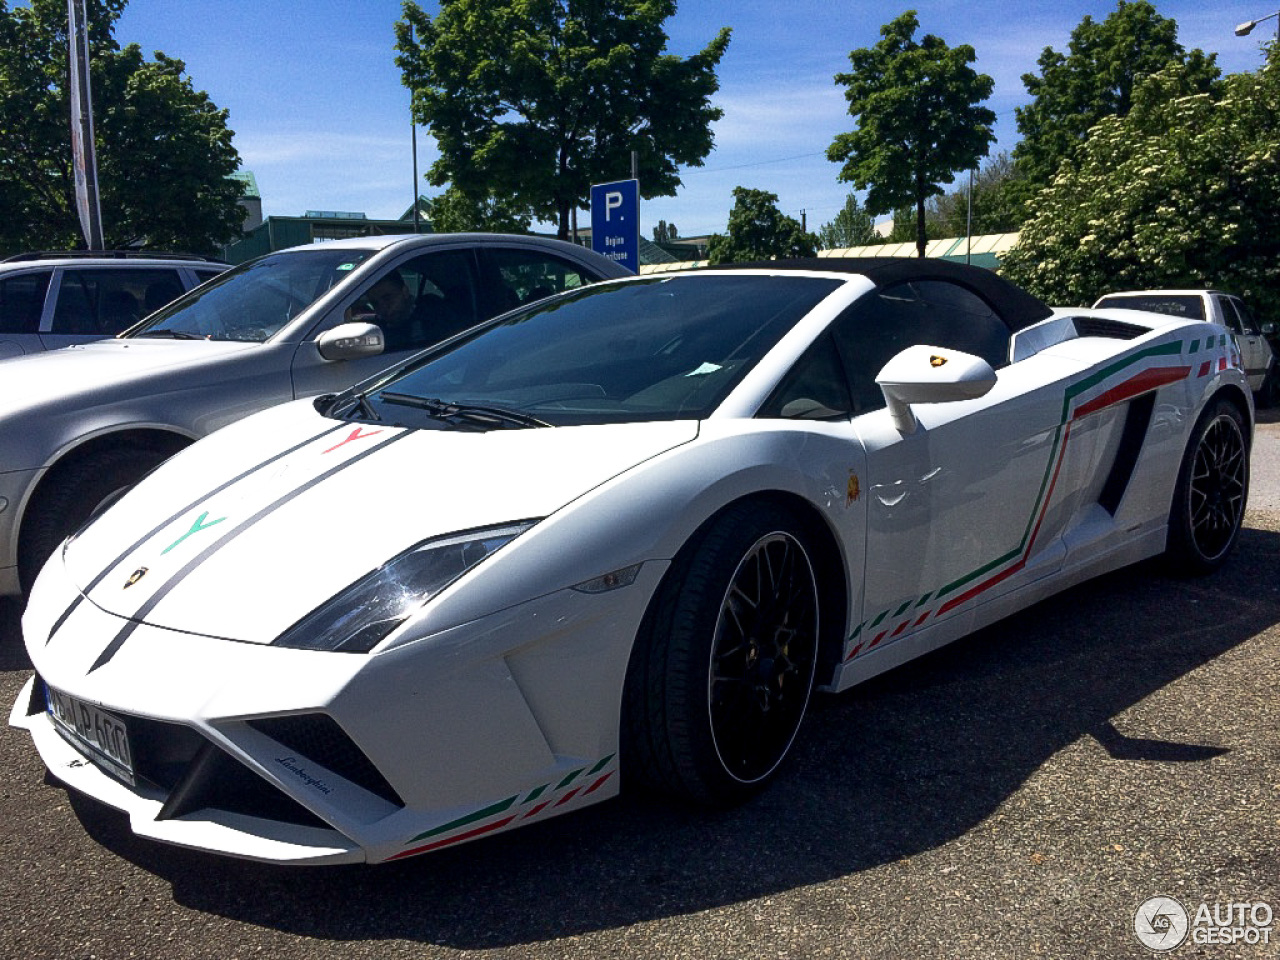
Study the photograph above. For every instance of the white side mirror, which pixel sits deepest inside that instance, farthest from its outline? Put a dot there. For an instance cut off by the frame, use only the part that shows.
(925, 374)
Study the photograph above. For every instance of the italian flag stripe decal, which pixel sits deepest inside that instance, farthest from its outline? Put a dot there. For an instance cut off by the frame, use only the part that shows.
(1003, 567)
(446, 834)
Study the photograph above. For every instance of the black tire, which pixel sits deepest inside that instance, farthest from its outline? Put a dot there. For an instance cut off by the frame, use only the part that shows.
(1211, 492)
(721, 674)
(71, 496)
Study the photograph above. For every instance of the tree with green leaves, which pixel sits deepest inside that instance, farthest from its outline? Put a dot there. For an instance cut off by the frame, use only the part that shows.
(1183, 191)
(919, 119)
(536, 100)
(902, 226)
(1096, 78)
(851, 227)
(665, 232)
(164, 150)
(758, 230)
(997, 207)
(455, 212)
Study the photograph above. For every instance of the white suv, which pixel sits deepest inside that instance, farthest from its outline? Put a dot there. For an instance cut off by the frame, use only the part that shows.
(51, 300)
(1260, 366)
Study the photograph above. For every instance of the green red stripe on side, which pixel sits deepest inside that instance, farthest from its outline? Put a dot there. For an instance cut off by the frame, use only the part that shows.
(448, 834)
(1017, 558)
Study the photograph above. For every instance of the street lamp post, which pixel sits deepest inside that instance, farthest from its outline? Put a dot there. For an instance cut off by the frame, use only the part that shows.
(1246, 28)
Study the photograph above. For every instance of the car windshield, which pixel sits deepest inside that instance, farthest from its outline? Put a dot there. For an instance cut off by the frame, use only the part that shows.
(662, 348)
(253, 301)
(1189, 306)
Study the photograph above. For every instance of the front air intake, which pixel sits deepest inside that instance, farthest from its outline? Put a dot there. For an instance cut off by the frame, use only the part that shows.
(318, 737)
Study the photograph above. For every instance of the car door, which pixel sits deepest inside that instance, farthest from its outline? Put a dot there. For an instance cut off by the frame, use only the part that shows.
(1254, 348)
(22, 299)
(92, 303)
(443, 289)
(959, 510)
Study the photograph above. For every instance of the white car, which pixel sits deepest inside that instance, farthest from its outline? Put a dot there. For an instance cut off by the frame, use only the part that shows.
(1260, 364)
(53, 300)
(623, 533)
(79, 425)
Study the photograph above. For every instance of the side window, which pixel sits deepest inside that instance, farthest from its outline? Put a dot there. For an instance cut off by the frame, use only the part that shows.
(104, 302)
(22, 302)
(934, 312)
(1247, 323)
(422, 301)
(160, 291)
(525, 276)
(814, 389)
(1229, 315)
(203, 274)
(960, 319)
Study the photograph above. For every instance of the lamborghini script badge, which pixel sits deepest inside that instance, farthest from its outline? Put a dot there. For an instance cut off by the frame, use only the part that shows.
(135, 577)
(936, 361)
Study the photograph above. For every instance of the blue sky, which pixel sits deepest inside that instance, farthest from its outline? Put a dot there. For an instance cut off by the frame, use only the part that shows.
(321, 117)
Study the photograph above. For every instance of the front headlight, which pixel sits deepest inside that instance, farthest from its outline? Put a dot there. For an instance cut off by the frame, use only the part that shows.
(359, 617)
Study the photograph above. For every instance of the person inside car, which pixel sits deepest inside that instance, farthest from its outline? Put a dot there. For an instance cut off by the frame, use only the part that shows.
(399, 313)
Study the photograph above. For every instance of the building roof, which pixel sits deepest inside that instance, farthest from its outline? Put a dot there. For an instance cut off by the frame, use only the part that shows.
(424, 205)
(250, 184)
(981, 251)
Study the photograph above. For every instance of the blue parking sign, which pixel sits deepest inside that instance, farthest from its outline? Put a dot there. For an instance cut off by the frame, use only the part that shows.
(615, 222)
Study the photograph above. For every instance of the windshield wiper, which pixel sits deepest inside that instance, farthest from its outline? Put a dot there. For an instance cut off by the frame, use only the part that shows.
(360, 402)
(474, 414)
(172, 334)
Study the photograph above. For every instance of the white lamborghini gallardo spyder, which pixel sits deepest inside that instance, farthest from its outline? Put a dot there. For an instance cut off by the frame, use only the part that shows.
(625, 532)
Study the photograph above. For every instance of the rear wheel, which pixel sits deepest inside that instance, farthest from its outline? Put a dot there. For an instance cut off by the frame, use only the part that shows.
(720, 678)
(71, 496)
(1213, 485)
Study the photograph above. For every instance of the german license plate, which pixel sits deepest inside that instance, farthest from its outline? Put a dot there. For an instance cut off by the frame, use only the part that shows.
(99, 735)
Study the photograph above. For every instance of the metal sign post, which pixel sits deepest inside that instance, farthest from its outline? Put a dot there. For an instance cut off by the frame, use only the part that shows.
(83, 156)
(615, 222)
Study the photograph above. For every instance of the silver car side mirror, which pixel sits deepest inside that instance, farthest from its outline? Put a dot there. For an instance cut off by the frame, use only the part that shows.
(350, 341)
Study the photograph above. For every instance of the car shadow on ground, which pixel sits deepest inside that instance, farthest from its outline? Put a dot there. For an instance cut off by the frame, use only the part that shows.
(13, 655)
(894, 768)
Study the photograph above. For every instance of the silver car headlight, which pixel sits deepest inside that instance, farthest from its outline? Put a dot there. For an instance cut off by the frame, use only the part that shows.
(359, 617)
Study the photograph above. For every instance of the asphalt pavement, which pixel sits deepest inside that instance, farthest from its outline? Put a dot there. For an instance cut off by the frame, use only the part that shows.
(1025, 792)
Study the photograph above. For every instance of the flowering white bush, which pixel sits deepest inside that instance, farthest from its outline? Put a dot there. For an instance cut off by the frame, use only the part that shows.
(1184, 191)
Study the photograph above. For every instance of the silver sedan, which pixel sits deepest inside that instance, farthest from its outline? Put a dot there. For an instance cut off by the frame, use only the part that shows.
(82, 424)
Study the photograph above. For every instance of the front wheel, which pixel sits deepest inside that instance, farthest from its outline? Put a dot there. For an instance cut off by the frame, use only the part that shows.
(68, 500)
(1212, 488)
(720, 678)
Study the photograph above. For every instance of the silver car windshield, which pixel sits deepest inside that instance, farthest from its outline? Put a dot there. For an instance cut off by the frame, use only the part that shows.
(254, 300)
(656, 349)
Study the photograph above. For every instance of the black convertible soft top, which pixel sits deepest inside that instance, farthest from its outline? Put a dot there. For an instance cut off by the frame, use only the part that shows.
(1014, 305)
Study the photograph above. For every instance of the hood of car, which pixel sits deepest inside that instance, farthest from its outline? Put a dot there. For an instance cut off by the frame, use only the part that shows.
(246, 532)
(92, 368)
